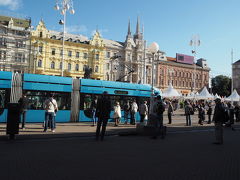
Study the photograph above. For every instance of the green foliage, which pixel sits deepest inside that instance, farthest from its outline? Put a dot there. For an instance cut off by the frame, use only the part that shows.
(221, 85)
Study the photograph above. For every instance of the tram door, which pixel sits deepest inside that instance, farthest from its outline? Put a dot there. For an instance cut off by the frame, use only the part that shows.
(75, 101)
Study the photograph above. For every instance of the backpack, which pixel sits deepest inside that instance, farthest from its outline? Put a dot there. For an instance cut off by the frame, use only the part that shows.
(160, 108)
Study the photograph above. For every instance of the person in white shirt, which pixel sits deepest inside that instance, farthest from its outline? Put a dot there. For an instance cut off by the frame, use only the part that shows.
(51, 107)
(133, 110)
(117, 113)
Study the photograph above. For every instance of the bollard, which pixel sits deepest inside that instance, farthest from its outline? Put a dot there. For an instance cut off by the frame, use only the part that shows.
(13, 119)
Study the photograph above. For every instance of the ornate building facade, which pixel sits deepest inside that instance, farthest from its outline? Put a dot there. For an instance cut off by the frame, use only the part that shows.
(236, 75)
(79, 53)
(14, 44)
(134, 62)
(181, 75)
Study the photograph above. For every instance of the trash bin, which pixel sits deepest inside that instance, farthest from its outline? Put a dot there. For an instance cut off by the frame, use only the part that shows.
(13, 119)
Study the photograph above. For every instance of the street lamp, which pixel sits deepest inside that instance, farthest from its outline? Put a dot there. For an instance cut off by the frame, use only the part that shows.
(153, 48)
(63, 7)
(195, 41)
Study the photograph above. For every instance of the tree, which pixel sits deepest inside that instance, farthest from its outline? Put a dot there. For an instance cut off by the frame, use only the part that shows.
(221, 85)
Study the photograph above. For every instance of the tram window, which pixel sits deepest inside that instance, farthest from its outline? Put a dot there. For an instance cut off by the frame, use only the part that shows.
(86, 101)
(37, 99)
(2, 98)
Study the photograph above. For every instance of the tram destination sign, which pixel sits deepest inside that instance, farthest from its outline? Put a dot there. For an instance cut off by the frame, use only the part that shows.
(120, 92)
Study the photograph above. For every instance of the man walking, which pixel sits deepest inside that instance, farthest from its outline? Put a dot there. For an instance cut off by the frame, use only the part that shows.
(51, 108)
(143, 110)
(23, 102)
(218, 118)
(103, 113)
(158, 110)
(170, 112)
(133, 111)
(188, 112)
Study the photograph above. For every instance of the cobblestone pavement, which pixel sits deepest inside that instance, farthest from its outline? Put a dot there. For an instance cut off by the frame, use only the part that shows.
(181, 156)
(85, 129)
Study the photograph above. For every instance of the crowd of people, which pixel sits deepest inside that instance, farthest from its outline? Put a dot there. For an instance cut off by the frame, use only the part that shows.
(224, 113)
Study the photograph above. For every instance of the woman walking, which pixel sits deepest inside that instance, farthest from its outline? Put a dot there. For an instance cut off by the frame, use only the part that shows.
(117, 113)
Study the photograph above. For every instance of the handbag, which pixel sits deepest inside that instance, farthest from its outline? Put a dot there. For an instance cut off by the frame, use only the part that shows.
(55, 110)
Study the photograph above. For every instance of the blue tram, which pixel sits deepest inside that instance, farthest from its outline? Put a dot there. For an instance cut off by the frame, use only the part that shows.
(5, 90)
(74, 96)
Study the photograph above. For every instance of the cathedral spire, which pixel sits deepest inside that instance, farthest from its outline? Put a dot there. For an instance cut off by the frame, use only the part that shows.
(138, 26)
(129, 28)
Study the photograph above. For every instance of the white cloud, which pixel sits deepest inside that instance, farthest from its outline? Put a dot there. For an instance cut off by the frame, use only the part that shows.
(76, 29)
(11, 4)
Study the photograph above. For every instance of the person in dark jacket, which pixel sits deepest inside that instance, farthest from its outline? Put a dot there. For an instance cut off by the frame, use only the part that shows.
(218, 118)
(188, 112)
(23, 102)
(237, 111)
(170, 112)
(103, 113)
(209, 113)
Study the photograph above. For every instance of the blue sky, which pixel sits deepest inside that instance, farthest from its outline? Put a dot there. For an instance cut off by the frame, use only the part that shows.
(170, 23)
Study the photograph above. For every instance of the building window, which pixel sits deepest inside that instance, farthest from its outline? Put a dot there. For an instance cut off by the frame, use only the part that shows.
(53, 52)
(20, 44)
(85, 55)
(60, 65)
(108, 54)
(3, 55)
(39, 63)
(129, 57)
(52, 65)
(40, 49)
(97, 56)
(61, 52)
(108, 66)
(77, 54)
(69, 53)
(69, 66)
(19, 57)
(84, 67)
(77, 67)
(3, 41)
(96, 69)
(41, 35)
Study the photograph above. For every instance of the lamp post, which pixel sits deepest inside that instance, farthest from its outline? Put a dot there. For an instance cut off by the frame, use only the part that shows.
(153, 48)
(195, 41)
(63, 7)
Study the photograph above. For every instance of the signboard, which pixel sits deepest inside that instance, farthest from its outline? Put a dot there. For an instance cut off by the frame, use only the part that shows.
(186, 59)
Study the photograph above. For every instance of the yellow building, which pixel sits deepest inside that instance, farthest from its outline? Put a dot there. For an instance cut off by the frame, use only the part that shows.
(79, 53)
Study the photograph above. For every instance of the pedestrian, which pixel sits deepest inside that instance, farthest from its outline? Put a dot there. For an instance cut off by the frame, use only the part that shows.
(237, 112)
(93, 108)
(188, 112)
(103, 113)
(23, 102)
(218, 118)
(117, 113)
(158, 110)
(230, 114)
(209, 112)
(170, 112)
(126, 109)
(143, 110)
(133, 111)
(201, 114)
(51, 107)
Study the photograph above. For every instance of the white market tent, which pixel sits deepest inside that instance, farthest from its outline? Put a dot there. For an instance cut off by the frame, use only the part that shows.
(217, 96)
(171, 92)
(234, 96)
(204, 94)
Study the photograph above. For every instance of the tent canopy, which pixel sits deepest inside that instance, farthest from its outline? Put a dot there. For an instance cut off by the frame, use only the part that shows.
(171, 92)
(234, 96)
(204, 94)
